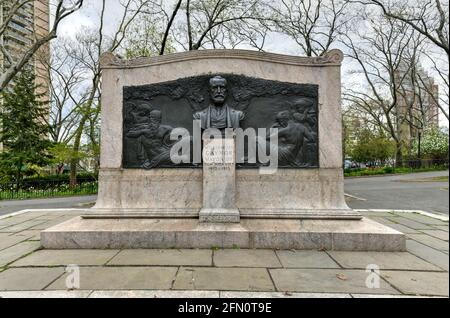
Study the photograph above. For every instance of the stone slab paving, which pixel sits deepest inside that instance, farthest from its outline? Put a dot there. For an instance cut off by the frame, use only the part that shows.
(17, 251)
(396, 226)
(31, 235)
(246, 258)
(439, 234)
(50, 216)
(185, 294)
(418, 283)
(378, 214)
(380, 219)
(331, 280)
(29, 278)
(410, 223)
(203, 278)
(306, 259)
(27, 271)
(429, 254)
(442, 227)
(155, 294)
(383, 260)
(113, 278)
(231, 294)
(423, 219)
(159, 257)
(46, 294)
(22, 226)
(45, 225)
(17, 219)
(430, 241)
(66, 257)
(390, 296)
(7, 240)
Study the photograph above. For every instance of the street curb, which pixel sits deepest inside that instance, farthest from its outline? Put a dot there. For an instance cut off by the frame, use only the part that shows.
(390, 174)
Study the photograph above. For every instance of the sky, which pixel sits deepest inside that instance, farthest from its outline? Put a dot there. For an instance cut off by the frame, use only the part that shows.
(89, 15)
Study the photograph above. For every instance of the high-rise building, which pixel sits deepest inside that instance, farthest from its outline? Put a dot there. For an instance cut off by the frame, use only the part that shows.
(29, 23)
(417, 103)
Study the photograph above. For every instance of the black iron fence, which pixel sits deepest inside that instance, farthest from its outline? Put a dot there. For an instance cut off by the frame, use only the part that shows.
(424, 163)
(28, 189)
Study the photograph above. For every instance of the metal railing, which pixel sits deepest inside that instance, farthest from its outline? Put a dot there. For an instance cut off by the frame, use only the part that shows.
(424, 163)
(28, 189)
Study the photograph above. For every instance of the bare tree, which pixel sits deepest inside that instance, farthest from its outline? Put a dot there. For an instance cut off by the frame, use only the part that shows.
(67, 85)
(429, 18)
(91, 46)
(203, 16)
(247, 33)
(194, 24)
(149, 33)
(62, 11)
(379, 50)
(313, 24)
(169, 26)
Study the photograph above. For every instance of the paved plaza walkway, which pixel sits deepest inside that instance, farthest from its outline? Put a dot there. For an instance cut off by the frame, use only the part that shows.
(26, 270)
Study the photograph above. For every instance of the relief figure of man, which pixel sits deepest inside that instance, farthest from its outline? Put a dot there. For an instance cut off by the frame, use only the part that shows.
(218, 114)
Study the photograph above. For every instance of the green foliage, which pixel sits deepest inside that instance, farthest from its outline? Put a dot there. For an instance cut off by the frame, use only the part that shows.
(434, 144)
(63, 153)
(389, 169)
(62, 177)
(371, 146)
(145, 39)
(24, 131)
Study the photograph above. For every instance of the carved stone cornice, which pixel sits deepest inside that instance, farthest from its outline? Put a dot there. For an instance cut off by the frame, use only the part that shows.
(331, 58)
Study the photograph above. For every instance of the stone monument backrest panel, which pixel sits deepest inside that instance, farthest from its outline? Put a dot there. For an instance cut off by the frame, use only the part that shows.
(173, 191)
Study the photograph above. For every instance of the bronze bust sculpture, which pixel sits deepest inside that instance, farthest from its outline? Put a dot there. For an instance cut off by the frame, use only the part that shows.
(219, 115)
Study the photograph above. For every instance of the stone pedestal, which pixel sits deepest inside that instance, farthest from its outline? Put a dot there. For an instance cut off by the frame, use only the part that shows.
(219, 181)
(91, 231)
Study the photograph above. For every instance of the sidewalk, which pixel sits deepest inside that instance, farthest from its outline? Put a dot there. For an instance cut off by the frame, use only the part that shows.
(27, 271)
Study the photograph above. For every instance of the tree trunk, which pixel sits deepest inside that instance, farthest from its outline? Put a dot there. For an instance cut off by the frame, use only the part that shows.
(74, 160)
(79, 134)
(19, 168)
(398, 154)
(419, 151)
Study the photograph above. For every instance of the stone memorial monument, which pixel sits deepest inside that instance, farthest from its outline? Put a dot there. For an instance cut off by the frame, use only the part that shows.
(222, 148)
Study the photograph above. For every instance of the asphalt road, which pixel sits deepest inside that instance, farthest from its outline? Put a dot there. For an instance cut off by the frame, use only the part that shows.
(53, 203)
(404, 192)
